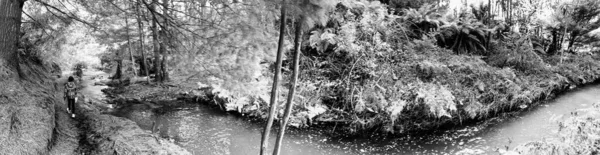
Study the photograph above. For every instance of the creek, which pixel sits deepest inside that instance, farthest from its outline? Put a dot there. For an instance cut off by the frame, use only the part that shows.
(205, 130)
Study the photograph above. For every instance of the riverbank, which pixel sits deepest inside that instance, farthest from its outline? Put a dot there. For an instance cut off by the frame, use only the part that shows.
(473, 90)
(107, 134)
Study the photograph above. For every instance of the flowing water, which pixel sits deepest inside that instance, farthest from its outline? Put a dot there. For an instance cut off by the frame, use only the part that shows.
(204, 130)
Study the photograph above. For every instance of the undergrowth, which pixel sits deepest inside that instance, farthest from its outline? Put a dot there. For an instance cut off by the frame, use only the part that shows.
(367, 74)
(374, 79)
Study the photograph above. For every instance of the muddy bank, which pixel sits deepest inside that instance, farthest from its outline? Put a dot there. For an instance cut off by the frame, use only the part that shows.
(107, 134)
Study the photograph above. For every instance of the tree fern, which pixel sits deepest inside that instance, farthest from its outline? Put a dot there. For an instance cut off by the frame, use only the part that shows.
(463, 39)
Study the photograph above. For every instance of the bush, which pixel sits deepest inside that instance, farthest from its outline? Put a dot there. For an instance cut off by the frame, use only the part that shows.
(517, 52)
(462, 38)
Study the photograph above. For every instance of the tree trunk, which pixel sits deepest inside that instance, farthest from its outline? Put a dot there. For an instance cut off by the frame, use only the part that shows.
(574, 35)
(165, 41)
(489, 13)
(155, 43)
(27, 111)
(141, 35)
(554, 45)
(10, 23)
(129, 46)
(290, 100)
(119, 60)
(510, 9)
(273, 101)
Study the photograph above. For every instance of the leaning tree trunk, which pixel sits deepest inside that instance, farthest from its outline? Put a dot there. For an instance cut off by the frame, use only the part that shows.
(273, 102)
(290, 99)
(155, 43)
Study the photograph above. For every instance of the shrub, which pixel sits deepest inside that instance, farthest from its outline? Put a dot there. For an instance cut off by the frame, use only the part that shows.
(423, 20)
(517, 52)
(463, 38)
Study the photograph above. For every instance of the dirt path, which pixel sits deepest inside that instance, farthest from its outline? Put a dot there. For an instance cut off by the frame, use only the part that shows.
(66, 132)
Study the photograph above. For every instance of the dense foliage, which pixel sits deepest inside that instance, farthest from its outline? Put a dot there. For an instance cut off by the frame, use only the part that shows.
(369, 71)
(391, 66)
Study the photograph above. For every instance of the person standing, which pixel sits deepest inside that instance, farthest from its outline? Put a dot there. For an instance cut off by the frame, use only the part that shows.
(71, 95)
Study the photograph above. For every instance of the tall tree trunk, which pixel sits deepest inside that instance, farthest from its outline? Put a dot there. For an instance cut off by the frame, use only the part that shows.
(129, 46)
(10, 23)
(489, 13)
(165, 41)
(141, 35)
(290, 100)
(155, 43)
(273, 102)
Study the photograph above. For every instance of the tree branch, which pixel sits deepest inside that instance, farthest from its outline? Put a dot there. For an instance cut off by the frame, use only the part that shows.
(70, 15)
